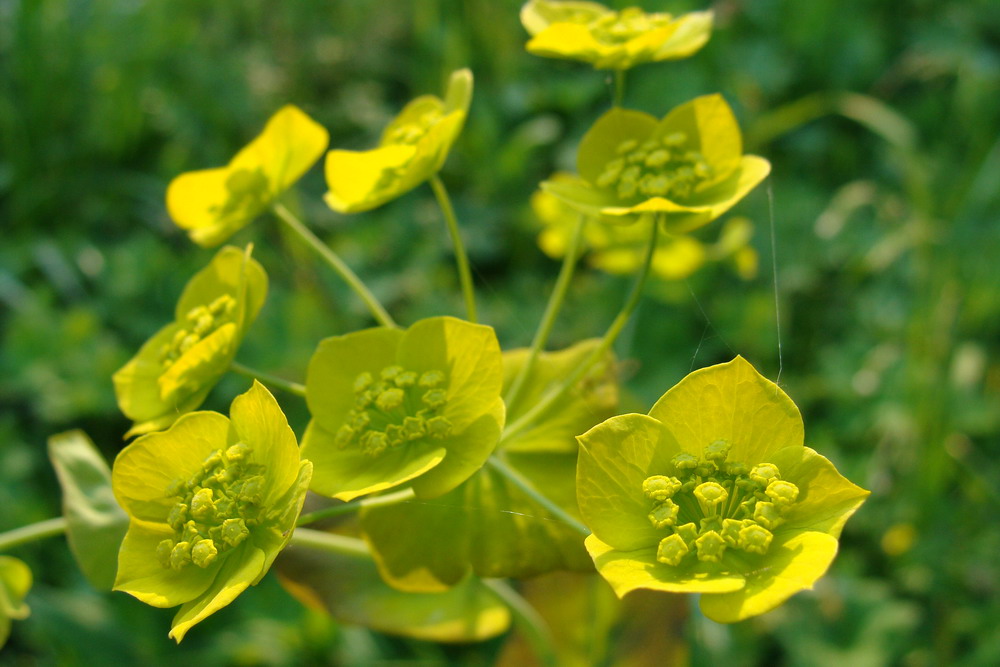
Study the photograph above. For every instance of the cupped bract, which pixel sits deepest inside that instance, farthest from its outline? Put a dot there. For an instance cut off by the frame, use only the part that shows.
(420, 406)
(176, 368)
(413, 148)
(211, 501)
(687, 169)
(607, 39)
(213, 204)
(713, 492)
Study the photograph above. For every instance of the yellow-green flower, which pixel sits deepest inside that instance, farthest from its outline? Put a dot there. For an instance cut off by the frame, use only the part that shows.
(176, 368)
(688, 168)
(420, 406)
(211, 502)
(15, 582)
(713, 492)
(619, 249)
(607, 39)
(413, 148)
(214, 204)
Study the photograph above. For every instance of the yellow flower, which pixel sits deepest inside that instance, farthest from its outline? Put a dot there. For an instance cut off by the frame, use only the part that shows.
(214, 204)
(413, 148)
(688, 168)
(592, 33)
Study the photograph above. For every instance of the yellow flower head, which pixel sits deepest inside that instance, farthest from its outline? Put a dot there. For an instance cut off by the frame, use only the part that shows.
(413, 148)
(713, 492)
(592, 33)
(211, 502)
(176, 368)
(214, 204)
(688, 168)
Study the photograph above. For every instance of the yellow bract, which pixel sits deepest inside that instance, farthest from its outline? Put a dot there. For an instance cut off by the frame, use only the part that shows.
(592, 33)
(413, 148)
(213, 204)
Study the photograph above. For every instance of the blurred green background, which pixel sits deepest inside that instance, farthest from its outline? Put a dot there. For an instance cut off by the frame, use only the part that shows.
(880, 118)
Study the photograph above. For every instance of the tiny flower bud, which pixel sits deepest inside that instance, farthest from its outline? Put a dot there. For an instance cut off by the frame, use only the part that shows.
(710, 546)
(664, 514)
(660, 487)
(204, 553)
(755, 539)
(672, 550)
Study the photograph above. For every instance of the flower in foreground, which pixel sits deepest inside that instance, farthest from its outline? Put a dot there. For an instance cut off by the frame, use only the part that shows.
(607, 39)
(420, 406)
(214, 204)
(619, 249)
(687, 169)
(15, 581)
(413, 148)
(713, 492)
(176, 368)
(211, 502)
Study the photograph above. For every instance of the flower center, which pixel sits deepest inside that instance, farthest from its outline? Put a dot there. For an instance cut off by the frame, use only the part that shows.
(199, 323)
(248, 192)
(215, 509)
(617, 28)
(400, 406)
(710, 505)
(655, 168)
(411, 133)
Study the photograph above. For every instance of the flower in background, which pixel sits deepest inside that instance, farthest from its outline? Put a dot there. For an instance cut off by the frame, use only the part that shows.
(420, 406)
(687, 169)
(713, 492)
(176, 368)
(15, 582)
(607, 39)
(413, 148)
(211, 502)
(214, 204)
(619, 249)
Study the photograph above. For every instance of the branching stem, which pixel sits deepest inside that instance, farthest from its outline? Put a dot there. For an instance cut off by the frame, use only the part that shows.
(268, 379)
(461, 258)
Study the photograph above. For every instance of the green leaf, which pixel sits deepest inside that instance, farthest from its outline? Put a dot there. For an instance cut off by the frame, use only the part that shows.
(96, 524)
(350, 589)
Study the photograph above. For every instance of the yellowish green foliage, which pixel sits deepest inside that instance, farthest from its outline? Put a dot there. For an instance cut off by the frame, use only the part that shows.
(687, 168)
(607, 39)
(15, 582)
(213, 204)
(176, 368)
(413, 148)
(211, 503)
(619, 249)
(713, 492)
(389, 407)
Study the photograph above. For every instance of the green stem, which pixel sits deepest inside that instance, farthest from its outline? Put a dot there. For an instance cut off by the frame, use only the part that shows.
(619, 87)
(464, 273)
(268, 379)
(551, 311)
(527, 620)
(522, 483)
(354, 506)
(556, 393)
(32, 532)
(335, 544)
(335, 263)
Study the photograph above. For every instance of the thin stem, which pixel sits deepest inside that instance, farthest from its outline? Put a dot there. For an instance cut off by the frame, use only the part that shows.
(464, 273)
(551, 311)
(354, 506)
(335, 263)
(528, 621)
(268, 379)
(335, 544)
(32, 532)
(556, 393)
(521, 482)
(619, 87)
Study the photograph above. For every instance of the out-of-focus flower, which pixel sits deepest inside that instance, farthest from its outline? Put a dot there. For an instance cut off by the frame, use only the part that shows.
(592, 33)
(687, 169)
(15, 582)
(413, 148)
(211, 502)
(214, 204)
(713, 492)
(176, 368)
